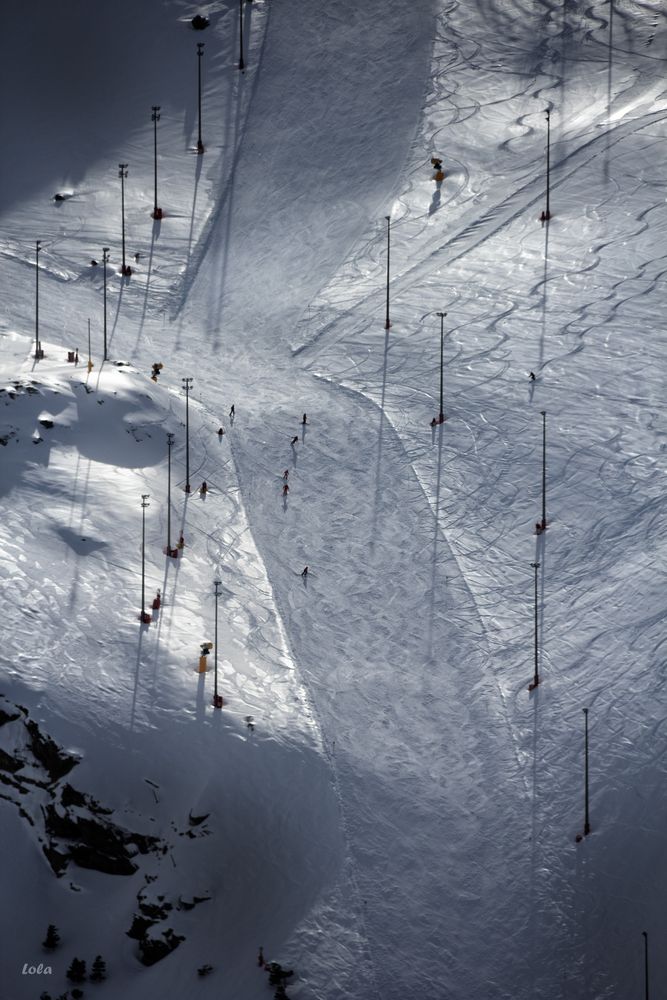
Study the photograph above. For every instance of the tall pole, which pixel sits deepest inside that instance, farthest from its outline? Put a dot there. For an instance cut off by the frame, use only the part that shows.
(387, 323)
(547, 212)
(200, 53)
(170, 441)
(441, 415)
(536, 677)
(38, 346)
(544, 469)
(155, 118)
(241, 63)
(105, 261)
(217, 700)
(587, 824)
(144, 505)
(122, 173)
(186, 384)
(645, 936)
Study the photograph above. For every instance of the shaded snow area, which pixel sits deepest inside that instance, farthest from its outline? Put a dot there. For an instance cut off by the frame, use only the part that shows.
(380, 802)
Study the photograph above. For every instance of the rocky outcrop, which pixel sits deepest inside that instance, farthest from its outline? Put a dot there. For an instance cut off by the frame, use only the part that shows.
(71, 826)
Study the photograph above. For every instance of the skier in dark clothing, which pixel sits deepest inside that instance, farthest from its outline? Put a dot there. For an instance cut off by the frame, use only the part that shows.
(221, 431)
(232, 412)
(285, 490)
(304, 421)
(286, 475)
(295, 440)
(203, 489)
(532, 376)
(304, 571)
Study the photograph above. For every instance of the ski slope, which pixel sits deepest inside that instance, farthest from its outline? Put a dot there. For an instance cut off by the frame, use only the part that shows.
(402, 819)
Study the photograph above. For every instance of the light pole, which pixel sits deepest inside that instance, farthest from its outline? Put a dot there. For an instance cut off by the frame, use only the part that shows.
(546, 215)
(241, 63)
(144, 617)
(170, 441)
(536, 678)
(217, 699)
(125, 270)
(587, 824)
(200, 53)
(645, 936)
(105, 261)
(186, 384)
(155, 118)
(387, 323)
(441, 415)
(38, 346)
(543, 524)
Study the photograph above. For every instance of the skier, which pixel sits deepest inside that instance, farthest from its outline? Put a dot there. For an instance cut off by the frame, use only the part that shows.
(304, 571)
(434, 422)
(304, 421)
(203, 489)
(532, 376)
(438, 176)
(181, 542)
(232, 412)
(286, 475)
(157, 600)
(221, 431)
(295, 440)
(285, 490)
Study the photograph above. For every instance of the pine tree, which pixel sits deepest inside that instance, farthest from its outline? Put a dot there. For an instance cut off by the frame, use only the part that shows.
(52, 939)
(77, 971)
(99, 970)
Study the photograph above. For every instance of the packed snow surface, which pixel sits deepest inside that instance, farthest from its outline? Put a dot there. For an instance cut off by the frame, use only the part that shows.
(387, 809)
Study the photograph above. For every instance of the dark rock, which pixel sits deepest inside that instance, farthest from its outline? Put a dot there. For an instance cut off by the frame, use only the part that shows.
(9, 763)
(7, 717)
(54, 760)
(70, 797)
(153, 950)
(57, 860)
(154, 911)
(45, 422)
(140, 927)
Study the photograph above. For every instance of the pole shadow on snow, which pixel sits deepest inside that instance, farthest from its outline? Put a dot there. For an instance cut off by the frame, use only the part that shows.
(533, 907)
(137, 672)
(230, 191)
(434, 553)
(610, 66)
(378, 467)
(200, 699)
(545, 280)
(155, 235)
(198, 166)
(117, 314)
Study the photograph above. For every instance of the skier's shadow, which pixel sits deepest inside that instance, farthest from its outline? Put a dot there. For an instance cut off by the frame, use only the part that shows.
(435, 201)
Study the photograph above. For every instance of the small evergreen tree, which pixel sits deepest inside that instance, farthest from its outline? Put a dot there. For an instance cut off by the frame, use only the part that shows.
(99, 970)
(52, 939)
(77, 971)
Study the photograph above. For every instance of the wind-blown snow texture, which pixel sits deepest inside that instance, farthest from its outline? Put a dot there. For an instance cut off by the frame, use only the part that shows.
(402, 820)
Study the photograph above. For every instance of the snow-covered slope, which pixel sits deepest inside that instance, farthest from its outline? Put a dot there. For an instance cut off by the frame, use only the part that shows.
(401, 820)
